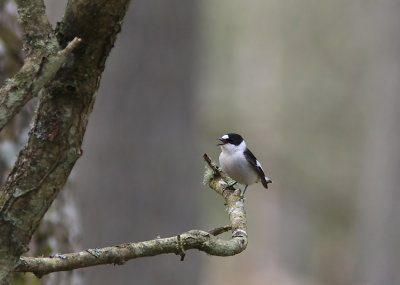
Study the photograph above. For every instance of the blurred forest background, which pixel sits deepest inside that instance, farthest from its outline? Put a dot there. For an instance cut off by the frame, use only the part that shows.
(313, 86)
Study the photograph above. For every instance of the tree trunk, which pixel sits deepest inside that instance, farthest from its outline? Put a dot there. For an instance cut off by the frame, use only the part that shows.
(54, 143)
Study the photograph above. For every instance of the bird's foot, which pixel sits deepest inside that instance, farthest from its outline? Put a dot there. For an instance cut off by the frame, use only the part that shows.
(229, 187)
(245, 188)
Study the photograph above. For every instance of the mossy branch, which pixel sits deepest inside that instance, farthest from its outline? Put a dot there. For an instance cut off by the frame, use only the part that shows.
(55, 139)
(195, 239)
(44, 59)
(38, 34)
(26, 84)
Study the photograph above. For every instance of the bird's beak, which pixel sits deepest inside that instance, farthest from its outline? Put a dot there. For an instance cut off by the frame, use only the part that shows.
(223, 141)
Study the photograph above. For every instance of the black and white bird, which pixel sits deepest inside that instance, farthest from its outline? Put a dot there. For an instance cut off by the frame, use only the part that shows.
(239, 162)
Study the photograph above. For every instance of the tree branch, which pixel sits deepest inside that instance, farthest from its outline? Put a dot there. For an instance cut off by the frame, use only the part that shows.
(37, 31)
(194, 239)
(219, 230)
(55, 140)
(44, 59)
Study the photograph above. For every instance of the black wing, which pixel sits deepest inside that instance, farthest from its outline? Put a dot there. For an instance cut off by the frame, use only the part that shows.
(257, 167)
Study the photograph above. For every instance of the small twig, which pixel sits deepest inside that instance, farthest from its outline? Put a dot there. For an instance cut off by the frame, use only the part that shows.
(225, 181)
(52, 65)
(213, 167)
(70, 47)
(45, 57)
(36, 73)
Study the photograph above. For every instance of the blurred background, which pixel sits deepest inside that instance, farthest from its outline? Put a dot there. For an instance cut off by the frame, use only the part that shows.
(312, 86)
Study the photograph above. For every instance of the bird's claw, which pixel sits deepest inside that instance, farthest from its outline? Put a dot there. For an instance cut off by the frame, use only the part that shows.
(229, 187)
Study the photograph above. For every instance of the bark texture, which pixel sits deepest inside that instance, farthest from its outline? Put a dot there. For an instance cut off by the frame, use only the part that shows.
(41, 63)
(53, 147)
(194, 239)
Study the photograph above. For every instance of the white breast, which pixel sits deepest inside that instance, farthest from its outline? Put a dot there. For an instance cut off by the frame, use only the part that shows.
(237, 167)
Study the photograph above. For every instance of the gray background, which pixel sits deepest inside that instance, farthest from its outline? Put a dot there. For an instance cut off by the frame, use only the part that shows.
(312, 86)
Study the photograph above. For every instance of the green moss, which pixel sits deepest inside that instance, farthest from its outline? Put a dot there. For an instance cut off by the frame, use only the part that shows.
(13, 97)
(3, 114)
(208, 176)
(18, 192)
(10, 81)
(94, 251)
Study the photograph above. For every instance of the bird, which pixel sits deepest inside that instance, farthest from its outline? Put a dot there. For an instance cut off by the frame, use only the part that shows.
(239, 162)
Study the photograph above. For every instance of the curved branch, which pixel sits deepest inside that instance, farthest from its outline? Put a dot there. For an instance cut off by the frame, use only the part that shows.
(194, 239)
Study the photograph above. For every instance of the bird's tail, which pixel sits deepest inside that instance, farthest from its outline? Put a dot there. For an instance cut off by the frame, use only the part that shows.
(265, 181)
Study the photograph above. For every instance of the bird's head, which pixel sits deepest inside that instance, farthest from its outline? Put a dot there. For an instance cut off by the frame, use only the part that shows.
(232, 142)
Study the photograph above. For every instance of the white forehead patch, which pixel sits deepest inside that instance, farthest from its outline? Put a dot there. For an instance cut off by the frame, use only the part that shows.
(225, 137)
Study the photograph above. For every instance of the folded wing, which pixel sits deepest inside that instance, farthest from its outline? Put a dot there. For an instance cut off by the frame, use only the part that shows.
(257, 167)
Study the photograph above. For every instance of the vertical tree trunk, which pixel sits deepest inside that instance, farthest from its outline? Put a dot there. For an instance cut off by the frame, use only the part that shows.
(55, 139)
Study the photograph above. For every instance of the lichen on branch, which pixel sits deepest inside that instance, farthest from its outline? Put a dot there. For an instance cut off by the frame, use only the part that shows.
(206, 241)
(56, 136)
(44, 58)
